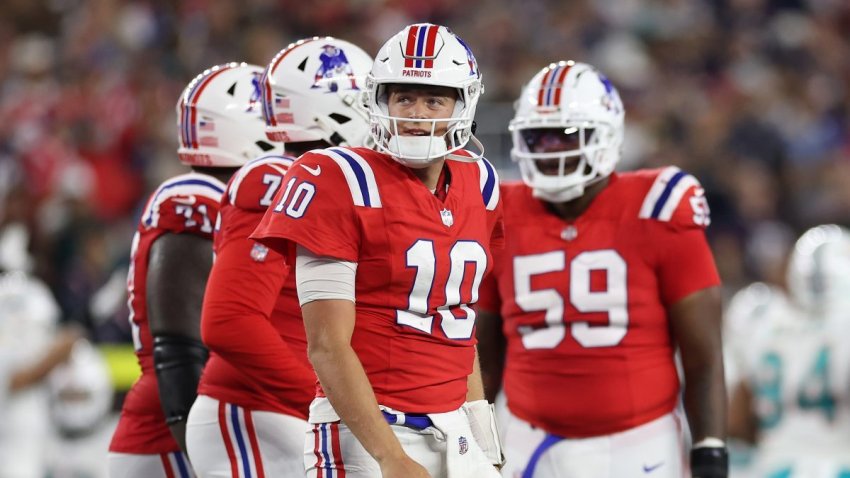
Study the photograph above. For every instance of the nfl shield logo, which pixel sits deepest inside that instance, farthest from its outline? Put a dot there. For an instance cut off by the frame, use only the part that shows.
(259, 252)
(463, 445)
(447, 218)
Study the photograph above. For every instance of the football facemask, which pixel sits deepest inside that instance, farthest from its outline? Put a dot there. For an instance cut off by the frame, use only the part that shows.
(567, 131)
(424, 54)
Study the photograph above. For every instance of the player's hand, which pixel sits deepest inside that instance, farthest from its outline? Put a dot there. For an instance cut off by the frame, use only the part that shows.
(65, 340)
(403, 467)
(709, 462)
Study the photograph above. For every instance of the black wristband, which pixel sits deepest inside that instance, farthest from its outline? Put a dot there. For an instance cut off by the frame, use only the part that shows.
(709, 462)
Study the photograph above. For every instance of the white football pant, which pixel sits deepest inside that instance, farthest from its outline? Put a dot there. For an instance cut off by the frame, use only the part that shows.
(446, 448)
(165, 465)
(651, 450)
(227, 441)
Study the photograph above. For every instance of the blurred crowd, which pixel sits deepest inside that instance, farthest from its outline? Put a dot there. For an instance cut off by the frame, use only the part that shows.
(751, 96)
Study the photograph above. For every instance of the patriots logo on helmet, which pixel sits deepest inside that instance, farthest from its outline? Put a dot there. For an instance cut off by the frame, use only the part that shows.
(470, 58)
(463, 445)
(333, 68)
(608, 101)
(257, 94)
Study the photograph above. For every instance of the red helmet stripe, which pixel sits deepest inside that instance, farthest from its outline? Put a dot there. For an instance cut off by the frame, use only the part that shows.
(272, 120)
(560, 84)
(410, 48)
(192, 101)
(541, 93)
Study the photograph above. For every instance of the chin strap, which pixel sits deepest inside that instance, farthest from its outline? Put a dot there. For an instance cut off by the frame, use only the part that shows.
(469, 159)
(482, 421)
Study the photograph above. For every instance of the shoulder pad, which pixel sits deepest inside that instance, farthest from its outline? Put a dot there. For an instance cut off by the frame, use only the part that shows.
(357, 171)
(488, 183)
(253, 187)
(677, 197)
(191, 194)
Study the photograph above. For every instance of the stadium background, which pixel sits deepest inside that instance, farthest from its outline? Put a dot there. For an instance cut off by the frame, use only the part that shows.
(751, 96)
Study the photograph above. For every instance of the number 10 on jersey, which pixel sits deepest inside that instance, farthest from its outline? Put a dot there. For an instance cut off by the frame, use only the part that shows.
(422, 257)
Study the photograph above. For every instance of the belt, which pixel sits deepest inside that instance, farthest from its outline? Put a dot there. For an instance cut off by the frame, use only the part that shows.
(410, 420)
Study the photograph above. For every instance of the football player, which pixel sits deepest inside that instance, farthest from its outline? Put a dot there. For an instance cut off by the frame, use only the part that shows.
(32, 346)
(602, 278)
(253, 398)
(406, 231)
(792, 399)
(220, 127)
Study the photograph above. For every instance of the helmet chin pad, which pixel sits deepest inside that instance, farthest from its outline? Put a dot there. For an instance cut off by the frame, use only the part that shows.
(418, 151)
(559, 195)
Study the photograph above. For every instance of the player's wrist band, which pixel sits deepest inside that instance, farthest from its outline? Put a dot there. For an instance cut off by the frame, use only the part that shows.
(709, 459)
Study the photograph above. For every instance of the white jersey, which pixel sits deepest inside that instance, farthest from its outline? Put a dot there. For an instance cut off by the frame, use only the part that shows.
(798, 369)
(749, 310)
(28, 316)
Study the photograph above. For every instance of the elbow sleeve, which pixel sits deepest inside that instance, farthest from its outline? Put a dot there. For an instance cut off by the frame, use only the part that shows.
(178, 362)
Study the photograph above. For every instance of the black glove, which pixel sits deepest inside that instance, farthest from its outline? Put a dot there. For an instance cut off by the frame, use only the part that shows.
(709, 462)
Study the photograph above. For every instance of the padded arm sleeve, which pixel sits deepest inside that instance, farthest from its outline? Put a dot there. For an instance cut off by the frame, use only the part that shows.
(178, 362)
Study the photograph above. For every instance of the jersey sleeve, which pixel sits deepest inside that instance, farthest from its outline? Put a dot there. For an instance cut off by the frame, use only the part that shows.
(678, 212)
(313, 208)
(491, 195)
(236, 324)
(676, 199)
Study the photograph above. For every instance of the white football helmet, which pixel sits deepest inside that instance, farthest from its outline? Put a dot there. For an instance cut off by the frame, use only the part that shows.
(579, 103)
(219, 117)
(424, 54)
(311, 92)
(819, 270)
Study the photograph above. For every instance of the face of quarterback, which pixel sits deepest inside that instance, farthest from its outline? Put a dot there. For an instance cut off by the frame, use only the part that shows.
(421, 102)
(554, 140)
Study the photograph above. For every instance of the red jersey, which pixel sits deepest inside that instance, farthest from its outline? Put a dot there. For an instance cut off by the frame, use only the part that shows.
(584, 303)
(419, 260)
(186, 204)
(251, 319)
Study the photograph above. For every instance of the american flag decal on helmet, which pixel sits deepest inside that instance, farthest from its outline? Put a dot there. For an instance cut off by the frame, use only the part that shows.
(188, 111)
(270, 100)
(549, 93)
(419, 52)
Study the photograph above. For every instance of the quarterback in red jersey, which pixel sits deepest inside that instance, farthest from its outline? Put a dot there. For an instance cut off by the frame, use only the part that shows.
(220, 127)
(602, 277)
(414, 224)
(253, 398)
